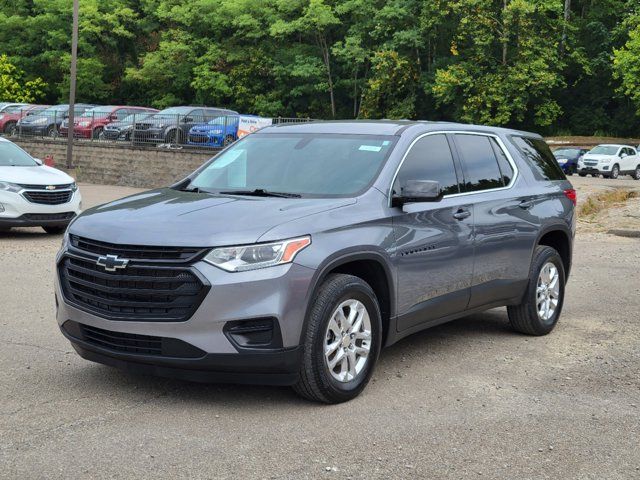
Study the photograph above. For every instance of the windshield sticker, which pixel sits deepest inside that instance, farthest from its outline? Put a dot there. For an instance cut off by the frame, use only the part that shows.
(370, 148)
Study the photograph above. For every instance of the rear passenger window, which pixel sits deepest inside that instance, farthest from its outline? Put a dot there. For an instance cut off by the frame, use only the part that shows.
(506, 170)
(537, 152)
(430, 158)
(481, 166)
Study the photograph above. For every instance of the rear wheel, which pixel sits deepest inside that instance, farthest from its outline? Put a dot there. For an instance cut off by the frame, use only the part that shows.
(54, 230)
(342, 341)
(542, 303)
(636, 173)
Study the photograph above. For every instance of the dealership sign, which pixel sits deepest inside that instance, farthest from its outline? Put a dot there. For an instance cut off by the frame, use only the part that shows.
(247, 125)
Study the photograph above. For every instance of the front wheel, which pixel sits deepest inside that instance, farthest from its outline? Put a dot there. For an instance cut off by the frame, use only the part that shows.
(542, 302)
(97, 133)
(342, 341)
(636, 173)
(582, 174)
(615, 171)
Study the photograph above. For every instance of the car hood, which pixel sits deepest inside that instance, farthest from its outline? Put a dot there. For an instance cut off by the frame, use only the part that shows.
(596, 156)
(174, 218)
(118, 125)
(36, 175)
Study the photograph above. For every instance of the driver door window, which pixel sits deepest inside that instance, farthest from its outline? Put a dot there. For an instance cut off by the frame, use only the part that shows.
(430, 158)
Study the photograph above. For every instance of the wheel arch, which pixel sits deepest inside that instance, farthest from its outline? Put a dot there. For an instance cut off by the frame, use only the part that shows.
(558, 237)
(372, 267)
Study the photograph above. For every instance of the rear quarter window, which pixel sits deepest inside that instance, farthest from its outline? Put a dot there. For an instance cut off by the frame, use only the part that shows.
(539, 157)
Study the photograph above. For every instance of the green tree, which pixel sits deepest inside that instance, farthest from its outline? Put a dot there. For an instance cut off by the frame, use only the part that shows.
(12, 87)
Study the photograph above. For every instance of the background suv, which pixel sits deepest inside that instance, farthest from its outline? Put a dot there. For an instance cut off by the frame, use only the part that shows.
(48, 121)
(122, 129)
(172, 125)
(610, 161)
(294, 255)
(93, 121)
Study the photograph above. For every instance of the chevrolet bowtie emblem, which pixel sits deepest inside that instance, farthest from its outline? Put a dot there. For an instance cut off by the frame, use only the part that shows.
(111, 263)
(50, 187)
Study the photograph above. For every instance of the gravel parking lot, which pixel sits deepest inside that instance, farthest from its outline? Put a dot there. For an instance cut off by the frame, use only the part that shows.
(469, 399)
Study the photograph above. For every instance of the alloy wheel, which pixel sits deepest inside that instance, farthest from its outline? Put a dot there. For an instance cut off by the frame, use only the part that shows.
(348, 341)
(548, 291)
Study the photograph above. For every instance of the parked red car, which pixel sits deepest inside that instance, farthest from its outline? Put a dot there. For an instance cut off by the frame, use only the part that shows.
(9, 117)
(93, 121)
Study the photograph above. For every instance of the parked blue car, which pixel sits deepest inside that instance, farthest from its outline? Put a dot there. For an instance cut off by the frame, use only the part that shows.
(219, 132)
(568, 158)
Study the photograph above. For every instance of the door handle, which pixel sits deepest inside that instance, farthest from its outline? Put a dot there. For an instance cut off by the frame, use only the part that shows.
(526, 204)
(461, 214)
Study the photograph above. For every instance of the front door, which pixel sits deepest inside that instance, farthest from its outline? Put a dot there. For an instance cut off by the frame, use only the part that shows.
(434, 240)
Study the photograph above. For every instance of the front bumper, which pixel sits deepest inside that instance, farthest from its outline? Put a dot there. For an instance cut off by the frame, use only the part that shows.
(204, 140)
(271, 368)
(78, 132)
(591, 169)
(17, 211)
(150, 135)
(278, 292)
(33, 130)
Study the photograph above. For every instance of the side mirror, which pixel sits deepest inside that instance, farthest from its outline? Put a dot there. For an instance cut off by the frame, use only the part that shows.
(415, 191)
(38, 161)
(623, 155)
(187, 120)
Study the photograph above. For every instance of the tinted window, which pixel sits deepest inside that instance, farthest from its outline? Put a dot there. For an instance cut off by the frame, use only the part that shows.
(537, 152)
(481, 167)
(429, 159)
(506, 170)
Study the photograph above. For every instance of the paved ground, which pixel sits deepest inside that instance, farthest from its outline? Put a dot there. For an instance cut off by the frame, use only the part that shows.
(469, 399)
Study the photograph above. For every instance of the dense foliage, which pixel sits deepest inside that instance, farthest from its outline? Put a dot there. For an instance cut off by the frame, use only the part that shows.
(556, 66)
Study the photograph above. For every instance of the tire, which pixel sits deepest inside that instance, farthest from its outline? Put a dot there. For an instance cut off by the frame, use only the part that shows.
(317, 381)
(5, 229)
(228, 140)
(173, 137)
(96, 133)
(10, 128)
(636, 173)
(615, 171)
(526, 318)
(52, 131)
(54, 230)
(582, 174)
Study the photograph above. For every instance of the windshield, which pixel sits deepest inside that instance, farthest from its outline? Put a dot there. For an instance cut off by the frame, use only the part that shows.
(172, 112)
(136, 116)
(224, 120)
(98, 111)
(305, 164)
(55, 110)
(13, 156)
(16, 109)
(567, 152)
(605, 150)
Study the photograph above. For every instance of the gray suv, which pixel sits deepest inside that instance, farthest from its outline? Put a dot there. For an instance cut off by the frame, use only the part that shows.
(298, 252)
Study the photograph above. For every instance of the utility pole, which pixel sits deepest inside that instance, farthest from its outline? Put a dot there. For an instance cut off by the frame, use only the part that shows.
(72, 83)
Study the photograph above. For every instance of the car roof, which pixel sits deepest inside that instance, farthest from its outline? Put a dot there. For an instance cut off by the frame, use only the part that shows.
(617, 145)
(383, 127)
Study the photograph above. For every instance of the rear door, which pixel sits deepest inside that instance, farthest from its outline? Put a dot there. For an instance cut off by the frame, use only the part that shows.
(503, 230)
(434, 240)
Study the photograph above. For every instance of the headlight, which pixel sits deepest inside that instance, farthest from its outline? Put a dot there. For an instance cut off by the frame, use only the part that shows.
(251, 257)
(1, 117)
(65, 240)
(84, 124)
(10, 187)
(74, 187)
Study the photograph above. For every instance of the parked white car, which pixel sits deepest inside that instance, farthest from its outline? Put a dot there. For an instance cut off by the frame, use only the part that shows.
(34, 195)
(610, 161)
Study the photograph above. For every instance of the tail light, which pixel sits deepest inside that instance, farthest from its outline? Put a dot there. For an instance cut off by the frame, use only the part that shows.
(571, 194)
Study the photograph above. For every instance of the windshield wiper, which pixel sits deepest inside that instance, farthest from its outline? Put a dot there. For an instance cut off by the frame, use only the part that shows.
(260, 192)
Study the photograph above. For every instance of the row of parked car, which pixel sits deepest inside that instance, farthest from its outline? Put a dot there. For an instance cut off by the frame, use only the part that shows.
(183, 125)
(608, 160)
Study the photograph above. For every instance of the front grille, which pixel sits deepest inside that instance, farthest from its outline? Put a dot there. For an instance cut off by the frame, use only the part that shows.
(49, 216)
(46, 188)
(138, 252)
(138, 292)
(131, 342)
(198, 138)
(48, 197)
(123, 342)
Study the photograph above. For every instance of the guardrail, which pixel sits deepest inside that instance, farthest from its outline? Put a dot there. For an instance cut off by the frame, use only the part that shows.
(151, 130)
